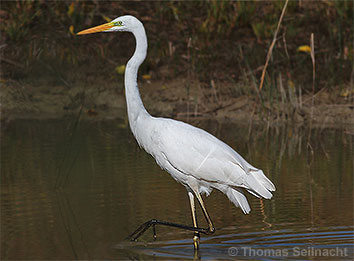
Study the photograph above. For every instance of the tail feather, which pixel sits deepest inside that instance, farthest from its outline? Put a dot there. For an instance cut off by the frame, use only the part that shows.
(258, 184)
(236, 196)
(259, 175)
(253, 193)
(254, 181)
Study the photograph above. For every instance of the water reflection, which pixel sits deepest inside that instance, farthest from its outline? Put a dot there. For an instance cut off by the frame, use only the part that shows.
(75, 191)
(272, 244)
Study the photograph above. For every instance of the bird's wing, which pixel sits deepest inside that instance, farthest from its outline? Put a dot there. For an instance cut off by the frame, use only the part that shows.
(195, 152)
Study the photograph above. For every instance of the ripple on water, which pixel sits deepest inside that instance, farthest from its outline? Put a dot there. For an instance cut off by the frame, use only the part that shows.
(311, 243)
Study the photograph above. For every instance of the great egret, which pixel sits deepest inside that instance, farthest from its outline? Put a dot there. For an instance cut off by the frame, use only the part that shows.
(192, 156)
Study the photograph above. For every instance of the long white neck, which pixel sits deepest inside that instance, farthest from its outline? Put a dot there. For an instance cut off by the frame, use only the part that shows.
(135, 105)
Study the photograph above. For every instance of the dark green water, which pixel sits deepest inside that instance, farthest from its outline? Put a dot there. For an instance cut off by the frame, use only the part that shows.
(76, 191)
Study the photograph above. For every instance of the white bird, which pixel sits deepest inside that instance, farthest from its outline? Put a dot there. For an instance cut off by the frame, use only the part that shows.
(192, 156)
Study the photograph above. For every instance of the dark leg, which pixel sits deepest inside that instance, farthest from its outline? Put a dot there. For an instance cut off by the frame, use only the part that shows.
(153, 222)
(137, 233)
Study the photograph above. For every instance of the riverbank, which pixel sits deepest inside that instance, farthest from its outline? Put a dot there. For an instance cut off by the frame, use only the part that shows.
(180, 99)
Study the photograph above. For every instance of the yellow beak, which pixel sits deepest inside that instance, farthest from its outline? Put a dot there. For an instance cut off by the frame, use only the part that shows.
(96, 29)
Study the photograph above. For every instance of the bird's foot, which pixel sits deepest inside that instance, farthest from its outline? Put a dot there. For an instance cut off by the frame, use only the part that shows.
(196, 241)
(153, 222)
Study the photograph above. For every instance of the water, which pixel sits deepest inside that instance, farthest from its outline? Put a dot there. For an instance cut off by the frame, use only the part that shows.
(76, 190)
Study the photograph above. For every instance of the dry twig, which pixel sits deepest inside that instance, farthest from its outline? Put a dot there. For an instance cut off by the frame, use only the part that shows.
(313, 71)
(272, 45)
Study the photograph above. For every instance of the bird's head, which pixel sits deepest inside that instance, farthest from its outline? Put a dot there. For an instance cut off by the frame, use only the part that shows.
(125, 23)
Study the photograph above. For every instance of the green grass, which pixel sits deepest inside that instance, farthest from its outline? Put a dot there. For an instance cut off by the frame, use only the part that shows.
(224, 41)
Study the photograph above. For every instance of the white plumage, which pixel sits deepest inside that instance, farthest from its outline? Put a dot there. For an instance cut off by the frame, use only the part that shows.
(193, 157)
(199, 160)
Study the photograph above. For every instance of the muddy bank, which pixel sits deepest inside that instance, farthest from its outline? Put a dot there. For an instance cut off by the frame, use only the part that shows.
(181, 99)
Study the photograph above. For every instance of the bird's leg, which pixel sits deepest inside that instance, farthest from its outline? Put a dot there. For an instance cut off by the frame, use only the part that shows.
(211, 229)
(196, 238)
(153, 222)
(154, 231)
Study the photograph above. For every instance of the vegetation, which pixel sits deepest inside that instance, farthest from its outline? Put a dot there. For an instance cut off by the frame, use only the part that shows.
(208, 41)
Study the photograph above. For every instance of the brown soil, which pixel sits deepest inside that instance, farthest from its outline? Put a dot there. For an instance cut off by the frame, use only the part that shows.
(172, 99)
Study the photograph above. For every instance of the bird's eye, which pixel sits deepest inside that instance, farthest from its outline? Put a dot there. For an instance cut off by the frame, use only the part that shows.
(119, 23)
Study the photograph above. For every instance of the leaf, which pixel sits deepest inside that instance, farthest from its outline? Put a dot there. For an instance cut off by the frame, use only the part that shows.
(106, 18)
(146, 76)
(304, 48)
(71, 29)
(71, 9)
(120, 69)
